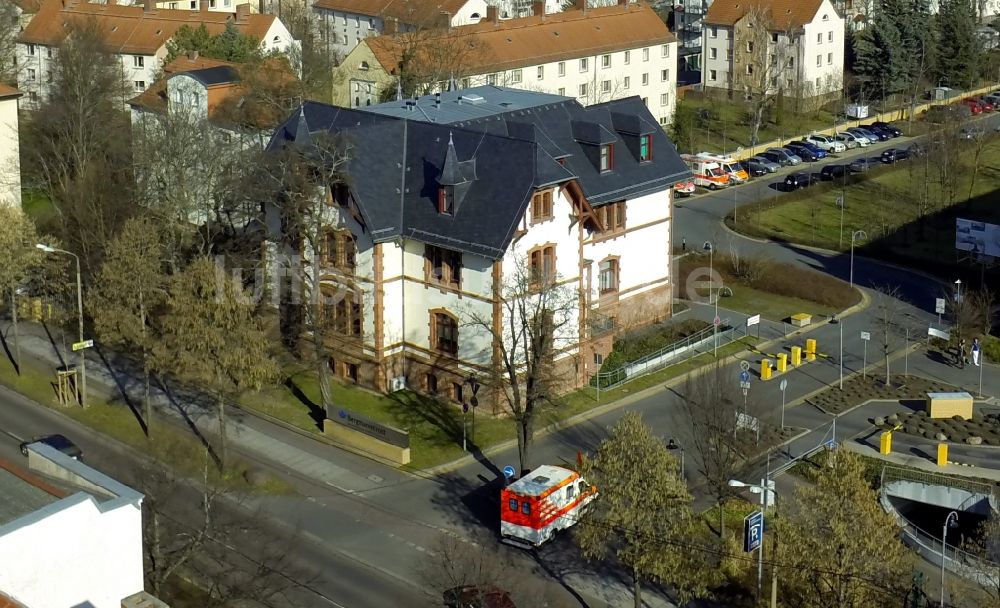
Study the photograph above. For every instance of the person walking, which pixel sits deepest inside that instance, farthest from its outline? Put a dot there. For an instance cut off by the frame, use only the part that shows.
(975, 351)
(961, 354)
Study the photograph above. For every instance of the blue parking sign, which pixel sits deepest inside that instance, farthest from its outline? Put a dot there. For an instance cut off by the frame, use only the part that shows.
(744, 376)
(753, 531)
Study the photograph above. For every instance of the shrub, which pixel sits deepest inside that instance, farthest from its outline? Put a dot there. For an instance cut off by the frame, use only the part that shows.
(941, 437)
(990, 348)
(974, 440)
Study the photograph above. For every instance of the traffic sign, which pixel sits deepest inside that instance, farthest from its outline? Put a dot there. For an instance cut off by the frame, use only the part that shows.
(745, 366)
(753, 531)
(716, 321)
(866, 335)
(754, 320)
(783, 385)
(82, 345)
(939, 306)
(840, 201)
(744, 376)
(508, 471)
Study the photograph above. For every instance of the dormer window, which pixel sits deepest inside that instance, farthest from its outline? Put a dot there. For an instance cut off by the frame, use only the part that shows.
(607, 157)
(446, 200)
(645, 148)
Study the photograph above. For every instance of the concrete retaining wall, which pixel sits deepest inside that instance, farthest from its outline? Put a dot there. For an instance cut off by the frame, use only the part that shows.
(360, 441)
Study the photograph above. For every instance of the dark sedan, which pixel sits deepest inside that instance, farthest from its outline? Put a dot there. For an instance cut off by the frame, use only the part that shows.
(803, 152)
(753, 168)
(59, 442)
(888, 127)
(862, 165)
(795, 181)
(880, 133)
(894, 154)
(833, 172)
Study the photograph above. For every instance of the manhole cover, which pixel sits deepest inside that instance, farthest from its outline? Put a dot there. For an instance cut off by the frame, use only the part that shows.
(375, 478)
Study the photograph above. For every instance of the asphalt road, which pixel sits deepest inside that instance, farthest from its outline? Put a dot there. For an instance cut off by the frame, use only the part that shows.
(328, 578)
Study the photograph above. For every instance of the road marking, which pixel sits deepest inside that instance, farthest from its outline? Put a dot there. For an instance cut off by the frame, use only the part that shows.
(335, 486)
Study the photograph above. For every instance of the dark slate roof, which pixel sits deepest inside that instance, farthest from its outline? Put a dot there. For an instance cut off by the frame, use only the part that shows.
(221, 74)
(464, 104)
(395, 169)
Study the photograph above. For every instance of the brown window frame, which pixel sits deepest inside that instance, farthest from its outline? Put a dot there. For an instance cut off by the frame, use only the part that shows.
(541, 206)
(456, 393)
(611, 158)
(615, 268)
(344, 316)
(430, 384)
(612, 217)
(446, 200)
(542, 265)
(442, 266)
(438, 316)
(339, 249)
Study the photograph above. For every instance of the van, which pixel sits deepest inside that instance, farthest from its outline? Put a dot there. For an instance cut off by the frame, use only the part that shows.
(729, 165)
(707, 173)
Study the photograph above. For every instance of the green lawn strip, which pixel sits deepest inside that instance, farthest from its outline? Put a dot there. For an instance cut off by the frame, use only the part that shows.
(878, 206)
(728, 126)
(37, 205)
(771, 306)
(173, 446)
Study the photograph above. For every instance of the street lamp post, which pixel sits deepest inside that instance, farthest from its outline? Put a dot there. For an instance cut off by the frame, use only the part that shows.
(79, 310)
(855, 236)
(711, 274)
(783, 386)
(473, 383)
(949, 522)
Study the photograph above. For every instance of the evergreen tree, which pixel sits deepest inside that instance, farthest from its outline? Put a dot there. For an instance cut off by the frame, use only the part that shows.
(959, 49)
(879, 62)
(230, 45)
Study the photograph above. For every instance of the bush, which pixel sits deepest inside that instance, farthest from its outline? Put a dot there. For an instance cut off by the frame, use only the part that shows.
(647, 341)
(990, 348)
(974, 440)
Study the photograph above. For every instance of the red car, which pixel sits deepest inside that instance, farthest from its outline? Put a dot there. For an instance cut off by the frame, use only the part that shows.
(988, 105)
(684, 188)
(974, 106)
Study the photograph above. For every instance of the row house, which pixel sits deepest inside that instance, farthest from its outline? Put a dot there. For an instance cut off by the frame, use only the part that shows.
(10, 159)
(137, 34)
(447, 199)
(801, 53)
(592, 54)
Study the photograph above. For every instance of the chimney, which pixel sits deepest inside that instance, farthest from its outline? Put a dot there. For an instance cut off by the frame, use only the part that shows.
(538, 8)
(242, 12)
(390, 26)
(493, 15)
(444, 20)
(149, 6)
(203, 6)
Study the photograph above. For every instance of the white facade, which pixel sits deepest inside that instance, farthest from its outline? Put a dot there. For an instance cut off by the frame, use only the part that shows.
(78, 550)
(10, 160)
(346, 29)
(816, 51)
(138, 71)
(647, 72)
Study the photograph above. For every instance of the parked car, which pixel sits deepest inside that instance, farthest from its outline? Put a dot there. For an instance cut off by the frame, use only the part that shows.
(830, 144)
(880, 133)
(972, 132)
(860, 141)
(849, 141)
(916, 149)
(771, 166)
(889, 127)
(471, 596)
(804, 143)
(753, 167)
(830, 172)
(684, 188)
(871, 137)
(894, 154)
(974, 106)
(951, 113)
(59, 442)
(783, 157)
(803, 152)
(861, 165)
(794, 181)
(988, 104)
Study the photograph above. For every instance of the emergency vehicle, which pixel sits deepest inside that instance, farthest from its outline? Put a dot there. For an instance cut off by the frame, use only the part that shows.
(707, 173)
(541, 503)
(729, 166)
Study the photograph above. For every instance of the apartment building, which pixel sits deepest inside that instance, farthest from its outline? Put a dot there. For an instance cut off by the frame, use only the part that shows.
(10, 155)
(802, 53)
(137, 34)
(449, 195)
(594, 55)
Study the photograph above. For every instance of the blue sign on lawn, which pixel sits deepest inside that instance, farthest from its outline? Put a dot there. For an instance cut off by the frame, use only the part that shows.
(744, 376)
(753, 531)
(508, 471)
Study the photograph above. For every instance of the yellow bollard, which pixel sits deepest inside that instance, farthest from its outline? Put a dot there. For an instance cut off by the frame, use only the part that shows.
(796, 356)
(782, 362)
(942, 454)
(885, 443)
(811, 349)
(765, 369)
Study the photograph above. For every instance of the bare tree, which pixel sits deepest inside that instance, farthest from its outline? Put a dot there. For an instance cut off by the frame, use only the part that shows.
(17, 240)
(427, 58)
(529, 359)
(712, 401)
(985, 546)
(9, 31)
(761, 61)
(888, 306)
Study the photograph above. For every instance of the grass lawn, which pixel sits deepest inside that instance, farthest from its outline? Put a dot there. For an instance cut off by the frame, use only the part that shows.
(771, 306)
(37, 205)
(885, 206)
(171, 445)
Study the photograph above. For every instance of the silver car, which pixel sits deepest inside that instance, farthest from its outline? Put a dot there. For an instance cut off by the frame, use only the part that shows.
(849, 140)
(871, 137)
(771, 167)
(787, 155)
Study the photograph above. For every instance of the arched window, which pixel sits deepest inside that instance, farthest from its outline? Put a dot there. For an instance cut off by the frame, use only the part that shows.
(444, 332)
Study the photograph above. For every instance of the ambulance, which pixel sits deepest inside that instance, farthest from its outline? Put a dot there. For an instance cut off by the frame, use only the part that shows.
(729, 165)
(536, 506)
(707, 173)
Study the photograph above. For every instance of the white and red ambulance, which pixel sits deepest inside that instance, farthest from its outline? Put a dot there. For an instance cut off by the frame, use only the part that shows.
(541, 503)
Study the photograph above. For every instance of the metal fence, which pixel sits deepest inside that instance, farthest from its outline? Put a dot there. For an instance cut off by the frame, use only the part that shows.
(705, 341)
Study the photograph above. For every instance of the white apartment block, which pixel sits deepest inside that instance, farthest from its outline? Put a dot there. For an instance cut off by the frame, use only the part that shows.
(807, 43)
(593, 55)
(138, 34)
(10, 156)
(490, 181)
(69, 535)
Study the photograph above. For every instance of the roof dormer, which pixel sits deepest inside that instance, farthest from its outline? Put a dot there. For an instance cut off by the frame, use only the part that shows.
(637, 134)
(598, 144)
(455, 179)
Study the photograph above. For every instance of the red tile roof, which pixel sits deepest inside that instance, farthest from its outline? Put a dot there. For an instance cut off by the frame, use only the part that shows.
(783, 13)
(130, 29)
(6, 91)
(414, 12)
